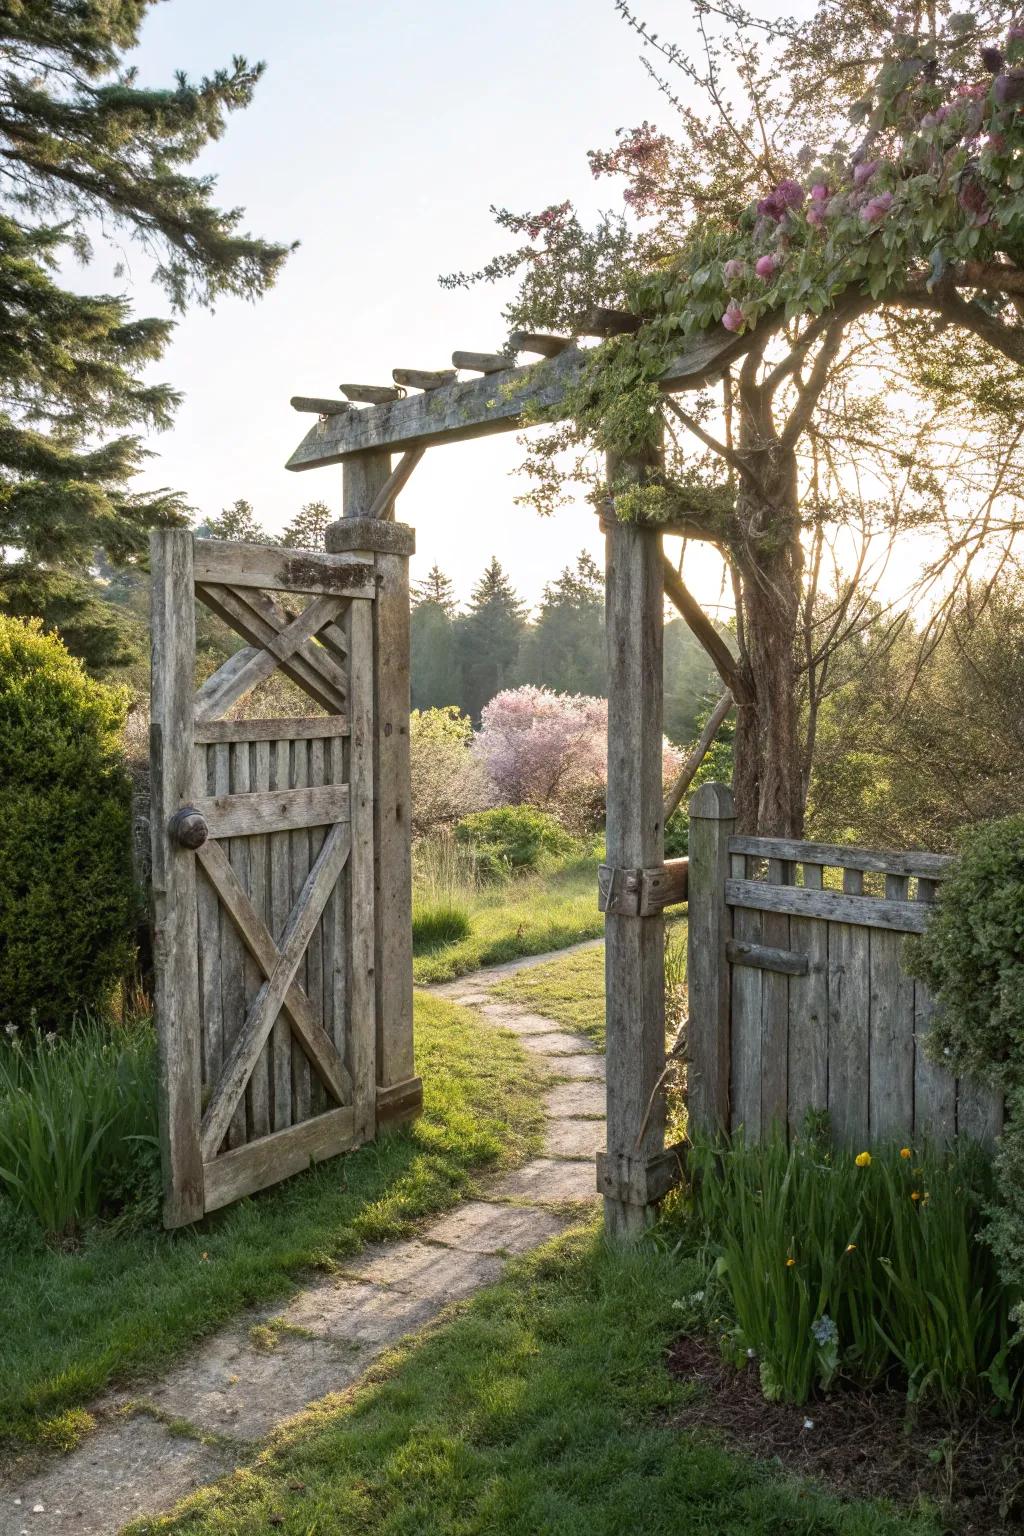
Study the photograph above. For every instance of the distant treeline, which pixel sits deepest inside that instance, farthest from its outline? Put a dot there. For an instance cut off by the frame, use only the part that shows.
(465, 658)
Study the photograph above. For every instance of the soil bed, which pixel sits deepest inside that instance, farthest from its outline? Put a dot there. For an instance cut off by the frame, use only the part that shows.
(863, 1444)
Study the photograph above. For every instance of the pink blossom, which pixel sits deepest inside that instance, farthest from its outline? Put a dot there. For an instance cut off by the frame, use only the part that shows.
(766, 266)
(733, 270)
(789, 193)
(550, 749)
(863, 172)
(816, 214)
(733, 317)
(876, 208)
(819, 192)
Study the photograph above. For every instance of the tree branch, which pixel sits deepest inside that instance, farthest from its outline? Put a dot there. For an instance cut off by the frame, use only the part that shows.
(725, 662)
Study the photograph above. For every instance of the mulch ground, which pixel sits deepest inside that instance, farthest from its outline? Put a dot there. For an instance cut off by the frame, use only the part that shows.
(863, 1444)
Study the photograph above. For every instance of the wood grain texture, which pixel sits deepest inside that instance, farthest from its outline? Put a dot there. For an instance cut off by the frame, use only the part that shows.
(932, 865)
(746, 991)
(849, 999)
(246, 1047)
(280, 906)
(235, 1174)
(174, 883)
(891, 1064)
(362, 933)
(775, 1014)
(808, 1014)
(712, 818)
(295, 729)
(249, 813)
(223, 562)
(763, 958)
(634, 946)
(478, 407)
(798, 901)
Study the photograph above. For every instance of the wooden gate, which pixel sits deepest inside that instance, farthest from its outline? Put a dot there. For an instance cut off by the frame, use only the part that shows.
(263, 869)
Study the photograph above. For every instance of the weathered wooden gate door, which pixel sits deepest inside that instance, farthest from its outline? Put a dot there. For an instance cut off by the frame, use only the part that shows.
(262, 869)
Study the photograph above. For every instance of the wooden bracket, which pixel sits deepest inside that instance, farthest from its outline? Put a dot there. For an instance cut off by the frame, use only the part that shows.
(400, 1102)
(642, 892)
(639, 1180)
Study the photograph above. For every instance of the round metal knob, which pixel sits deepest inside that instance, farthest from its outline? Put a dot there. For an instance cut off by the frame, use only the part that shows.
(188, 827)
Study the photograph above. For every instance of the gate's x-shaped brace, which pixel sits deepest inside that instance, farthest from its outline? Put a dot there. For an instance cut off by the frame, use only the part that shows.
(277, 638)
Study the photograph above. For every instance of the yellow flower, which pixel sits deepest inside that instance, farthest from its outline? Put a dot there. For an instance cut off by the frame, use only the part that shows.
(926, 1198)
(863, 1159)
(790, 1263)
(915, 1194)
(851, 1247)
(905, 1152)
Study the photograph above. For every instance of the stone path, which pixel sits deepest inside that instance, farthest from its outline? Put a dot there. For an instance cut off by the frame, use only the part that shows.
(214, 1410)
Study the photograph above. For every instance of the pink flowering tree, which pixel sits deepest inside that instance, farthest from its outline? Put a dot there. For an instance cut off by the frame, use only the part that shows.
(852, 233)
(550, 750)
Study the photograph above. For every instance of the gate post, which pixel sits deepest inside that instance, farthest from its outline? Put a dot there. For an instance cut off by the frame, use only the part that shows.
(399, 1090)
(175, 910)
(712, 821)
(634, 945)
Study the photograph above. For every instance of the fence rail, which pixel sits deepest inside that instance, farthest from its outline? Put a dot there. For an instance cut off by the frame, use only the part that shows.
(799, 994)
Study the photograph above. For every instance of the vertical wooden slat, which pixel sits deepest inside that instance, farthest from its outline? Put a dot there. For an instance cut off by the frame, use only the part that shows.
(362, 991)
(212, 1027)
(299, 870)
(848, 1025)
(934, 1087)
(808, 1013)
(891, 1045)
(634, 946)
(709, 927)
(335, 1002)
(232, 955)
(258, 1091)
(775, 1015)
(315, 950)
(392, 813)
(174, 876)
(746, 1021)
(280, 906)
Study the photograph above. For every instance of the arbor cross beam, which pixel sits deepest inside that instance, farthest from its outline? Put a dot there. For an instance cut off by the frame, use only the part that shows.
(498, 402)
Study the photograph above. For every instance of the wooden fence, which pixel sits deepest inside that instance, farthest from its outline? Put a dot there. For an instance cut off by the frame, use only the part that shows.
(799, 996)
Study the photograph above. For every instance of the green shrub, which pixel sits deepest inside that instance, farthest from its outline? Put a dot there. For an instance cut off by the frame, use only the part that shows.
(843, 1267)
(66, 897)
(437, 923)
(513, 837)
(78, 1124)
(972, 959)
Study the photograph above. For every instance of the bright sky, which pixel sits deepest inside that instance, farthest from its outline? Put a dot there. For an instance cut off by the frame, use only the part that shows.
(379, 137)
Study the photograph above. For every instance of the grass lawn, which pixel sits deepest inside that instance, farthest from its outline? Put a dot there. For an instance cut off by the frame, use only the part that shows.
(124, 1304)
(526, 915)
(544, 1407)
(571, 988)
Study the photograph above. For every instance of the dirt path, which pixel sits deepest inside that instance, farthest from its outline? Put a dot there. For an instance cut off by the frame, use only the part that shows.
(220, 1403)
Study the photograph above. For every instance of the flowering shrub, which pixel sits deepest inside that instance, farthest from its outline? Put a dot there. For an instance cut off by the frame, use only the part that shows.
(550, 750)
(448, 780)
(840, 1266)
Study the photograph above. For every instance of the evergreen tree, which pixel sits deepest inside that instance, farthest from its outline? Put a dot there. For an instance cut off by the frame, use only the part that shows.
(82, 143)
(308, 528)
(238, 522)
(565, 650)
(436, 674)
(437, 588)
(489, 637)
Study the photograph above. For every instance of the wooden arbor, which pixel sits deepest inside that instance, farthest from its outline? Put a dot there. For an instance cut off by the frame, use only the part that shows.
(636, 1170)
